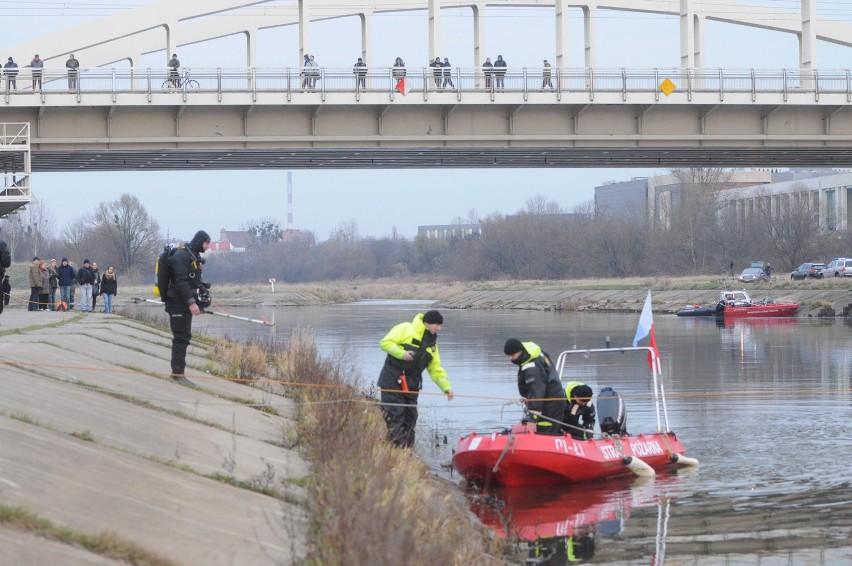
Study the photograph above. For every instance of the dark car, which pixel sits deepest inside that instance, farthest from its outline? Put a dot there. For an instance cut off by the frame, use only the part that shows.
(806, 270)
(752, 274)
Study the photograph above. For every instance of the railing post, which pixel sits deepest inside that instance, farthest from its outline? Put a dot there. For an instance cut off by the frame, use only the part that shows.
(148, 78)
(253, 83)
(459, 84)
(113, 85)
(558, 72)
(591, 85)
(816, 85)
(656, 84)
(753, 87)
(322, 80)
(425, 85)
(721, 86)
(526, 86)
(784, 78)
(688, 85)
(219, 83)
(848, 90)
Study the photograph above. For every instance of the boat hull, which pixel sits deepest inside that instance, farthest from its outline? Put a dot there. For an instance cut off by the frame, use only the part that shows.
(520, 457)
(697, 311)
(757, 310)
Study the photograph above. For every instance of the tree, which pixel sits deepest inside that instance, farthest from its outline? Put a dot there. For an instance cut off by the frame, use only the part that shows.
(790, 223)
(265, 231)
(132, 236)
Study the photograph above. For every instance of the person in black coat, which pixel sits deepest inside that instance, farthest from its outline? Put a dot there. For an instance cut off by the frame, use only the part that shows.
(182, 298)
(538, 384)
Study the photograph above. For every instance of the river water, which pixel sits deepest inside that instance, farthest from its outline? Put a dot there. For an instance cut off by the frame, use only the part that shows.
(764, 405)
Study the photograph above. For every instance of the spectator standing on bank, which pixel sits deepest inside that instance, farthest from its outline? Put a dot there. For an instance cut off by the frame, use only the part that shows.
(44, 292)
(72, 65)
(500, 67)
(437, 72)
(7, 287)
(488, 70)
(37, 66)
(545, 75)
(10, 71)
(67, 278)
(360, 72)
(5, 261)
(54, 284)
(448, 73)
(35, 284)
(85, 277)
(96, 284)
(109, 288)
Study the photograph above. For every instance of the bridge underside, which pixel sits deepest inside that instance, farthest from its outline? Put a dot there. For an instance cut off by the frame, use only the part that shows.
(432, 157)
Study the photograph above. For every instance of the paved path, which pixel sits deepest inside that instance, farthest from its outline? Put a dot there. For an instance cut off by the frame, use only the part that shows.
(93, 438)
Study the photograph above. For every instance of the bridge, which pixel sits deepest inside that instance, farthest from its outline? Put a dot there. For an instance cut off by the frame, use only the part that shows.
(113, 116)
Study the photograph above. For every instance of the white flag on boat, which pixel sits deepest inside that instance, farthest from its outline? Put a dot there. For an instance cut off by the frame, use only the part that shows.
(645, 329)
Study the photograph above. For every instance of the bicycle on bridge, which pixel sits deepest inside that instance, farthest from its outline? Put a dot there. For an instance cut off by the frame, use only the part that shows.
(176, 81)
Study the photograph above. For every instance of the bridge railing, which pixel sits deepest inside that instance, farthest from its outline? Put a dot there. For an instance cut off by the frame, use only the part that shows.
(425, 81)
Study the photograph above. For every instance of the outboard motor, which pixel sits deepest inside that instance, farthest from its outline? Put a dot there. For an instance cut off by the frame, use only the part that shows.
(611, 412)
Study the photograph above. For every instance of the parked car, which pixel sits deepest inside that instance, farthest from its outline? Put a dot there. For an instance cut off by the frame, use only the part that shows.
(838, 267)
(752, 274)
(806, 270)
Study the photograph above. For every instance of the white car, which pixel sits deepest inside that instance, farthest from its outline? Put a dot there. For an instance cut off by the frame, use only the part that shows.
(838, 267)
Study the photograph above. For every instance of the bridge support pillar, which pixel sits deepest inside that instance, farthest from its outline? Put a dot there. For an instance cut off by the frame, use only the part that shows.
(589, 36)
(478, 36)
(807, 39)
(687, 35)
(251, 48)
(304, 29)
(434, 14)
(561, 33)
(366, 37)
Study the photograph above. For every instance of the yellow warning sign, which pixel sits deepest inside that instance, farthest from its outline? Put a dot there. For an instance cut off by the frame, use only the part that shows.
(667, 86)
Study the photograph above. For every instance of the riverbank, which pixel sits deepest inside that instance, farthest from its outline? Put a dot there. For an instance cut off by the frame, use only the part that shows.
(622, 295)
(106, 461)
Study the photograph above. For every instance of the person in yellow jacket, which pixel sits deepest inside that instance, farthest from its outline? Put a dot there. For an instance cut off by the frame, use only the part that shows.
(411, 347)
(579, 413)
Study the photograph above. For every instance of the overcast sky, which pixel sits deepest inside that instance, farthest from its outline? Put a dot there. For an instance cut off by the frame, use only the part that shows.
(322, 200)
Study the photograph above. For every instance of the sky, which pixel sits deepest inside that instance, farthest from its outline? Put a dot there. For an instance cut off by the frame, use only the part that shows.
(324, 200)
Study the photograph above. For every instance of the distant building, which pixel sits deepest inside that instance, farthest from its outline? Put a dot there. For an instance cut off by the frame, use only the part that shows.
(298, 237)
(231, 241)
(657, 199)
(449, 231)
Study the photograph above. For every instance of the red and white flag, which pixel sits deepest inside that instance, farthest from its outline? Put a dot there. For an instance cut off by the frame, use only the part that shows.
(645, 328)
(403, 87)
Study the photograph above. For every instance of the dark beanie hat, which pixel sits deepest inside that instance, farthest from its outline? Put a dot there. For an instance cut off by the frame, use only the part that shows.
(36, 258)
(85, 261)
(582, 392)
(433, 317)
(64, 259)
(512, 346)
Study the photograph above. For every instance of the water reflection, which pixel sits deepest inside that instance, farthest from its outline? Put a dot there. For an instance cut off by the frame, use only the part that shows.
(567, 525)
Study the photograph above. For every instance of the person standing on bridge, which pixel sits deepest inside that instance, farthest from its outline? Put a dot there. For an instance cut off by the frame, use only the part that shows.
(437, 72)
(315, 72)
(360, 72)
(398, 70)
(448, 73)
(183, 298)
(37, 66)
(174, 74)
(500, 71)
(545, 75)
(72, 65)
(411, 347)
(306, 72)
(488, 70)
(10, 71)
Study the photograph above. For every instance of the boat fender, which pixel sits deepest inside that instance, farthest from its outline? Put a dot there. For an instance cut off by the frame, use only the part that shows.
(684, 460)
(638, 467)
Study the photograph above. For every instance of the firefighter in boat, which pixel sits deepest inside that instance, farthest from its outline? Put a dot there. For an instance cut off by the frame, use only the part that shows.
(579, 413)
(538, 384)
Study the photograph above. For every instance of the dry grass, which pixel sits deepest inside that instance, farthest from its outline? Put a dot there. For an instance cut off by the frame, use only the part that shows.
(372, 503)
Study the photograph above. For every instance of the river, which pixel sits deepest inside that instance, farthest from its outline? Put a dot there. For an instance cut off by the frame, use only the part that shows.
(764, 405)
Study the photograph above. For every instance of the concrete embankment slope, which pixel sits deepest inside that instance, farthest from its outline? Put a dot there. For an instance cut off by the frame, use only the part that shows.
(809, 300)
(93, 438)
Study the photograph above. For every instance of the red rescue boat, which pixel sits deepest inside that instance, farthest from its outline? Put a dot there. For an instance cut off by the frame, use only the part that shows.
(738, 304)
(519, 457)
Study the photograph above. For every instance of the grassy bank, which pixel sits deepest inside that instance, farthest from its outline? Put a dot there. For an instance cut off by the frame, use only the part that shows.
(369, 502)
